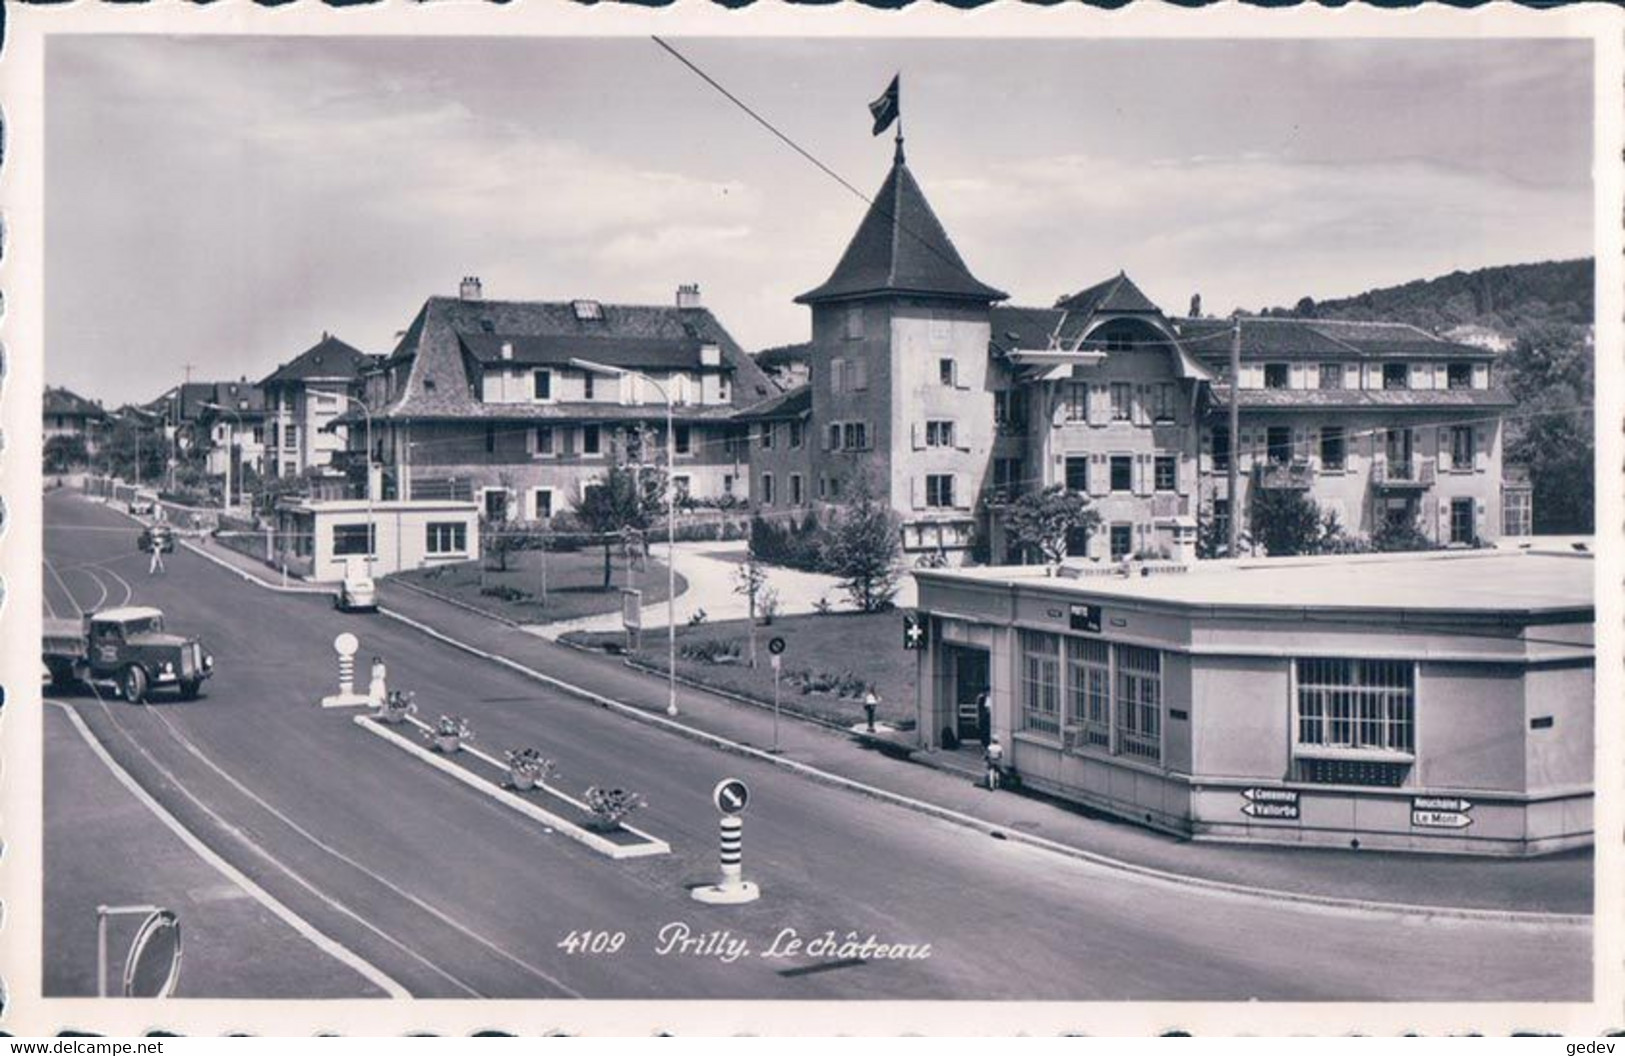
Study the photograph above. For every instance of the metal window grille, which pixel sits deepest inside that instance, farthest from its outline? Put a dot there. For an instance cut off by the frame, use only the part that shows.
(1089, 704)
(1041, 683)
(1357, 704)
(1139, 701)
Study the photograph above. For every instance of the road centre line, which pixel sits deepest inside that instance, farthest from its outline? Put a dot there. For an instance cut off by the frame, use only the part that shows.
(1324, 902)
(308, 931)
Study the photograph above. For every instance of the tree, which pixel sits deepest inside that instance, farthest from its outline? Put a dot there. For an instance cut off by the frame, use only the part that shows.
(64, 452)
(1549, 372)
(625, 498)
(864, 548)
(1045, 520)
(1286, 522)
(750, 580)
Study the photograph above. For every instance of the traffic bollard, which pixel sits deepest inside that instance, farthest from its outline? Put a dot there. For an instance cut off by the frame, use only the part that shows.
(345, 645)
(733, 888)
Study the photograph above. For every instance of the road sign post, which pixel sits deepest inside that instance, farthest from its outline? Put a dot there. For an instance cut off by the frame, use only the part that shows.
(776, 648)
(731, 796)
(345, 645)
(153, 966)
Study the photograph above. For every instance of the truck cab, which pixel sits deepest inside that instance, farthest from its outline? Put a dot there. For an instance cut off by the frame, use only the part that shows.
(129, 647)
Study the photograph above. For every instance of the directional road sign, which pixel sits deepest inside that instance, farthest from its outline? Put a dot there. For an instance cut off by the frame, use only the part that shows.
(731, 795)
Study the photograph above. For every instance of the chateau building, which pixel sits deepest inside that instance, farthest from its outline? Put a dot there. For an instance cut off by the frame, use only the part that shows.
(520, 405)
(952, 404)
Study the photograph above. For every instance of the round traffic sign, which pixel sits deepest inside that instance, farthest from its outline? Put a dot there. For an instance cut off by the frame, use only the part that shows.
(776, 646)
(153, 967)
(346, 644)
(730, 795)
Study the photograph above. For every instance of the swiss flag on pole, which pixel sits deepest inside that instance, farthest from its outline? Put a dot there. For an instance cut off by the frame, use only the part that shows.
(885, 109)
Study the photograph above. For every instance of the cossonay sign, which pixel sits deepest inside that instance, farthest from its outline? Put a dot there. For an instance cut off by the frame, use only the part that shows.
(1278, 803)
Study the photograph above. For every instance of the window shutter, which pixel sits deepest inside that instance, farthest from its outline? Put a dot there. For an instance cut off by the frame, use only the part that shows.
(530, 441)
(1136, 478)
(1445, 450)
(961, 491)
(1481, 375)
(860, 375)
(1099, 475)
(1295, 376)
(837, 374)
(915, 498)
(1480, 519)
(1182, 474)
(1097, 403)
(1481, 449)
(1444, 522)
(914, 434)
(1098, 541)
(1139, 413)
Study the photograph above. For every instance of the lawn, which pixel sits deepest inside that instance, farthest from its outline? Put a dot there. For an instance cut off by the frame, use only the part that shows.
(824, 655)
(574, 584)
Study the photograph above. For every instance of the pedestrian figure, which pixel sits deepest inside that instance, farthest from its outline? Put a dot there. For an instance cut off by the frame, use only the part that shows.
(159, 536)
(377, 691)
(984, 718)
(993, 756)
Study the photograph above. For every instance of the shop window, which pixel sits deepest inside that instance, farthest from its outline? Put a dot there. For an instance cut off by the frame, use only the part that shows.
(350, 540)
(1041, 683)
(1356, 706)
(1139, 702)
(1089, 702)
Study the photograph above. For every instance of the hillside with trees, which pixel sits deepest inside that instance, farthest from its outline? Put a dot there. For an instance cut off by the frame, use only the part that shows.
(1540, 316)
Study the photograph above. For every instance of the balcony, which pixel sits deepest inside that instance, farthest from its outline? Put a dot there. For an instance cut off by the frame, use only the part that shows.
(1286, 476)
(1414, 475)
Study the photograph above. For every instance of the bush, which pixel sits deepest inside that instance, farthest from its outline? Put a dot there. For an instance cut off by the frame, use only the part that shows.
(711, 651)
(789, 544)
(504, 592)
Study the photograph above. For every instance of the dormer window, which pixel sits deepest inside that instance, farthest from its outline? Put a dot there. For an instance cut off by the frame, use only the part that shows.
(1396, 376)
(542, 384)
(1460, 375)
(710, 356)
(1277, 375)
(587, 311)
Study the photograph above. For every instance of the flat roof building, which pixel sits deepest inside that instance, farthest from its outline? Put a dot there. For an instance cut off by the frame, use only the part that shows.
(1438, 701)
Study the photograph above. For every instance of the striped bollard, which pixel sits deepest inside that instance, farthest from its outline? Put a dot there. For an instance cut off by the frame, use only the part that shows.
(730, 797)
(345, 645)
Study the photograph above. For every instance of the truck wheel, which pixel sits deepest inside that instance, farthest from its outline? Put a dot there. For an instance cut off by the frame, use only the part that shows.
(133, 684)
(189, 688)
(61, 674)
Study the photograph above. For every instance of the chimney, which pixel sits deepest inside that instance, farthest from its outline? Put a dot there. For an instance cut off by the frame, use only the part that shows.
(470, 289)
(1196, 306)
(688, 295)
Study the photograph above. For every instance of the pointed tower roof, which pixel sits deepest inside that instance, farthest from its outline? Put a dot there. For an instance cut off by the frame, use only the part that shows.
(901, 247)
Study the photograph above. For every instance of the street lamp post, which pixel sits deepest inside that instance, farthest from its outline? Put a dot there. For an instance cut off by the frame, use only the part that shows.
(231, 447)
(671, 521)
(372, 528)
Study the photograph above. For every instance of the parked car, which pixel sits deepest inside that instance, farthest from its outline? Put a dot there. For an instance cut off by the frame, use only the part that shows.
(357, 591)
(143, 504)
(128, 647)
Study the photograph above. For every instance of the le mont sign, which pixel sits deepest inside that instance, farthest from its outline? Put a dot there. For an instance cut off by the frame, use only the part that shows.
(1440, 812)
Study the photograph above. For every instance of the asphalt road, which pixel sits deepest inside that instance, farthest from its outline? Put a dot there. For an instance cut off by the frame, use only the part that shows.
(453, 895)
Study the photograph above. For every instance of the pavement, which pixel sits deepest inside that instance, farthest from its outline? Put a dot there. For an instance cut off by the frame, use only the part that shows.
(947, 782)
(709, 570)
(445, 892)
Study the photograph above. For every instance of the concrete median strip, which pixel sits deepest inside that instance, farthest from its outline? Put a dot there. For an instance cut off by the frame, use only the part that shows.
(646, 846)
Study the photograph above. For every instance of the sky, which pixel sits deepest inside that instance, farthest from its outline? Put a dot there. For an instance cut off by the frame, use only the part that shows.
(221, 202)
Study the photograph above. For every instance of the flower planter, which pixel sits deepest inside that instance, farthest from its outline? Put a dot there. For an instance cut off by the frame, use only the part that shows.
(521, 782)
(447, 743)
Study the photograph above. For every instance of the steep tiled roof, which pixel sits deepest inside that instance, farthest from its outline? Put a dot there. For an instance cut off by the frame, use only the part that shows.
(901, 247)
(796, 403)
(784, 355)
(66, 404)
(1356, 399)
(1116, 294)
(327, 358)
(1286, 338)
(186, 402)
(448, 329)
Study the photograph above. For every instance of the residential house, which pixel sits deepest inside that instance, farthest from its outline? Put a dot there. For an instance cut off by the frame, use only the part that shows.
(71, 415)
(305, 398)
(523, 404)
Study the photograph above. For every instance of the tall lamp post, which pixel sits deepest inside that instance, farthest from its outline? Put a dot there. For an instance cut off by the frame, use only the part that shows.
(231, 446)
(671, 521)
(372, 528)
